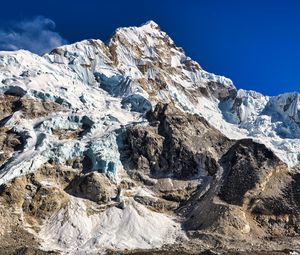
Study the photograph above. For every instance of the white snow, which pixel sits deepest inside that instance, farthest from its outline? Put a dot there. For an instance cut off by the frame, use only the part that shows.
(84, 229)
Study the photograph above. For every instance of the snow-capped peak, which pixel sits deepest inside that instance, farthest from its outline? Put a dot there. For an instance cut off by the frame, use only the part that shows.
(152, 24)
(139, 67)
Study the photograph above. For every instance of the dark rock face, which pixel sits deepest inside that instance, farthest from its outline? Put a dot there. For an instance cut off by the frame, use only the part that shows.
(257, 180)
(93, 186)
(30, 108)
(177, 145)
(144, 148)
(158, 205)
(10, 141)
(294, 191)
(259, 197)
(220, 91)
(246, 165)
(278, 209)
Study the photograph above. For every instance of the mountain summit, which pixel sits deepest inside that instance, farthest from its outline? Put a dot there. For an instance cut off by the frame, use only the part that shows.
(131, 145)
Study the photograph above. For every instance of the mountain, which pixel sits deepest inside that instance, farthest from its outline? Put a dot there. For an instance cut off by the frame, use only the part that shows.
(130, 146)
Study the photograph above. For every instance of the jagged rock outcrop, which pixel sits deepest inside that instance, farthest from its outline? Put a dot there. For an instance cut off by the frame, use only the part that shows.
(247, 166)
(10, 142)
(176, 145)
(93, 186)
(29, 108)
(254, 199)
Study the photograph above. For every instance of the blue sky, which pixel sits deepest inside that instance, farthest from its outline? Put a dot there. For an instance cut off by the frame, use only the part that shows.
(255, 43)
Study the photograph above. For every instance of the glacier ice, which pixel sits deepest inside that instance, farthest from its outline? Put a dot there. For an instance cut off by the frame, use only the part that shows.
(104, 155)
(136, 103)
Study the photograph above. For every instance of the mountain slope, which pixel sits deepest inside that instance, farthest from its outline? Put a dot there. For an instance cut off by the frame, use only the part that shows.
(127, 145)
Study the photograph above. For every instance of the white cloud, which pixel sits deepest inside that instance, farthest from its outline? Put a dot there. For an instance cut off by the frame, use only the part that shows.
(36, 35)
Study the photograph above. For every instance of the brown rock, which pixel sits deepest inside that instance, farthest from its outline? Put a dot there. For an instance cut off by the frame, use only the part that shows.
(93, 186)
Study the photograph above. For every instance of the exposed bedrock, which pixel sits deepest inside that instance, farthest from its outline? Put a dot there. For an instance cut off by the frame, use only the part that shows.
(29, 108)
(247, 165)
(93, 186)
(10, 141)
(176, 145)
(256, 196)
